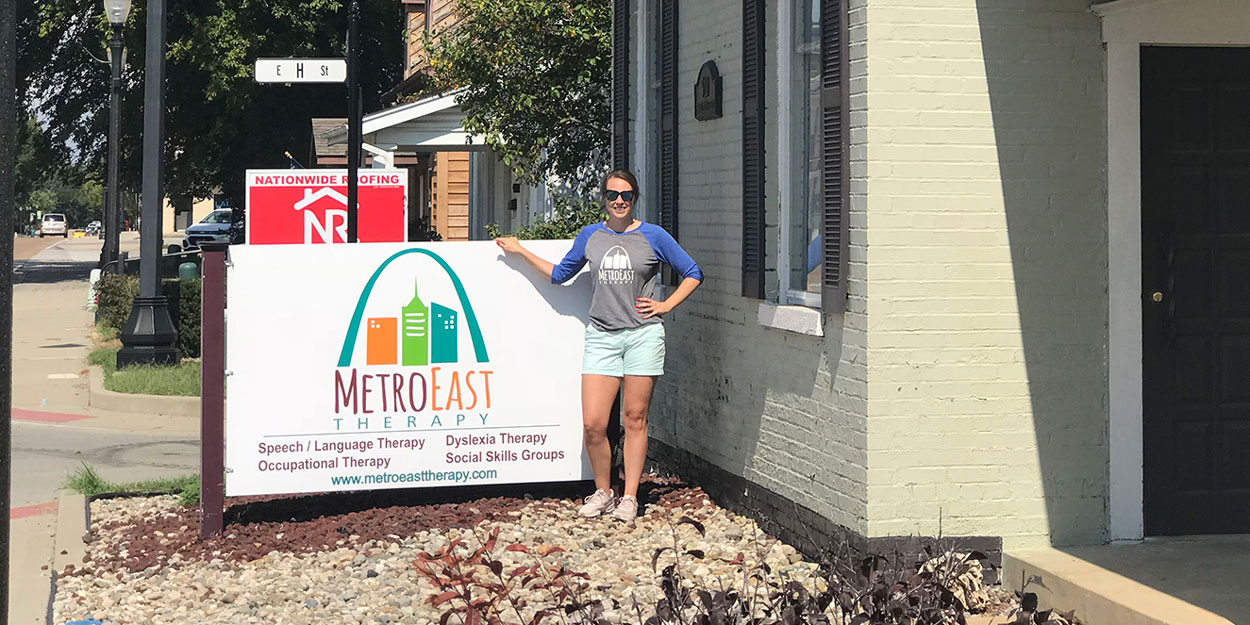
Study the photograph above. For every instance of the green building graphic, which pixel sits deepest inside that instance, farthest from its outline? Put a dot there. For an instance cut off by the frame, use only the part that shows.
(415, 332)
(443, 331)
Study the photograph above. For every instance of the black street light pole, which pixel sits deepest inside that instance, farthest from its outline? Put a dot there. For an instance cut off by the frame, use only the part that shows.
(149, 335)
(8, 134)
(353, 115)
(117, 11)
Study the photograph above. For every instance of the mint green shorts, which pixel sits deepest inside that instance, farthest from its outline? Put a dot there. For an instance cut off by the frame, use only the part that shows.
(635, 351)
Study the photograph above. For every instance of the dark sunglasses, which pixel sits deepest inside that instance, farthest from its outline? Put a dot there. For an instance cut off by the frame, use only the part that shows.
(628, 196)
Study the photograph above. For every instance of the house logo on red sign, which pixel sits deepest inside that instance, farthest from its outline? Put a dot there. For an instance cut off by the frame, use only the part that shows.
(310, 206)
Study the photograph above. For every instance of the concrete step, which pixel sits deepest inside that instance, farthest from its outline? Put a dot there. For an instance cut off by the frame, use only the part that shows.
(1099, 596)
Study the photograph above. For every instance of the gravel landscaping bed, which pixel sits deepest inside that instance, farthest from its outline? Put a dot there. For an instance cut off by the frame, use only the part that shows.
(145, 564)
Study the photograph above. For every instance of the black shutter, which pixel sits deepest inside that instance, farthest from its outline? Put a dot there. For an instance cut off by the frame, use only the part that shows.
(620, 84)
(834, 107)
(753, 148)
(668, 116)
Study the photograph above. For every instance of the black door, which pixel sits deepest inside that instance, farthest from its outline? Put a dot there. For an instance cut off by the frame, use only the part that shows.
(1196, 289)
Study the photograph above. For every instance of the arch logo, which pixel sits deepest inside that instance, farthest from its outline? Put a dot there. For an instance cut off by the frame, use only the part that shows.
(412, 359)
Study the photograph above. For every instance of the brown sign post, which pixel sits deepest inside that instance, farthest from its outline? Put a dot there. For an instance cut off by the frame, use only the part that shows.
(213, 390)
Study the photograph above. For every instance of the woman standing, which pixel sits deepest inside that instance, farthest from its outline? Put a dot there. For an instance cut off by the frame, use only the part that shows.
(625, 337)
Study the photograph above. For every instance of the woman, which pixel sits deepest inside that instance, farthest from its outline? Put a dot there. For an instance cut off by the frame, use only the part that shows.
(625, 337)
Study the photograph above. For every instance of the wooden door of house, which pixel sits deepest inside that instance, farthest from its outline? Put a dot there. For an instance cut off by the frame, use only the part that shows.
(1196, 289)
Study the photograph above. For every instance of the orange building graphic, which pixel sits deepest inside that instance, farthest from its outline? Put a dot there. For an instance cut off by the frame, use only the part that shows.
(382, 341)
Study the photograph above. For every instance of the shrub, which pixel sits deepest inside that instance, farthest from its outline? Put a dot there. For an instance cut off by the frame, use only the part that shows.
(571, 215)
(115, 295)
(937, 588)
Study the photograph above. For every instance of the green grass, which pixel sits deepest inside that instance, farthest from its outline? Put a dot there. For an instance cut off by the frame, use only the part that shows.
(182, 379)
(87, 481)
(107, 333)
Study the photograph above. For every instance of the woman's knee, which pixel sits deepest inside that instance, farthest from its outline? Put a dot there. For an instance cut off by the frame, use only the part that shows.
(634, 418)
(594, 432)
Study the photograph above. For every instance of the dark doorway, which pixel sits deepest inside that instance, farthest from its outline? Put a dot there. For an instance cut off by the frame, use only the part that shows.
(1196, 289)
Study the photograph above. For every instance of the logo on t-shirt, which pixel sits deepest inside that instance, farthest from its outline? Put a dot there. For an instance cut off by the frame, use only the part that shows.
(615, 267)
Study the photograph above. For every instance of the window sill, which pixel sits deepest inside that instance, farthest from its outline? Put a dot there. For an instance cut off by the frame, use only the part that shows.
(798, 319)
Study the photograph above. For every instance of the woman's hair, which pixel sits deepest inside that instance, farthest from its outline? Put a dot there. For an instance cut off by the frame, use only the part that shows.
(623, 174)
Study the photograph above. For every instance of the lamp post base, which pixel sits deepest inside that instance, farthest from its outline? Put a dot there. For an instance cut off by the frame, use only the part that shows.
(149, 335)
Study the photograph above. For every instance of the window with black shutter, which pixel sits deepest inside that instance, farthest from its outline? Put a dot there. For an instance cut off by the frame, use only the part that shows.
(753, 148)
(834, 104)
(620, 84)
(667, 66)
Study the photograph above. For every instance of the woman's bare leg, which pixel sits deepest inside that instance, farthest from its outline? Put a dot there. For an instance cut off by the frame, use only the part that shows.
(598, 394)
(637, 404)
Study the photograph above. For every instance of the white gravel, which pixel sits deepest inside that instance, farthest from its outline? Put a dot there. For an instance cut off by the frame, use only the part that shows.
(376, 582)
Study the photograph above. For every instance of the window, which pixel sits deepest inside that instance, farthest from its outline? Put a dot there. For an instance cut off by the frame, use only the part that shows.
(800, 265)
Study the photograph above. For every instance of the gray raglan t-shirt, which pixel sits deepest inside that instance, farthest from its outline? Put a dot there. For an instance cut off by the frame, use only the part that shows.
(625, 266)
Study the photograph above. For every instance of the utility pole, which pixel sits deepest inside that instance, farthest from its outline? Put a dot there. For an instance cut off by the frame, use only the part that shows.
(8, 136)
(149, 335)
(353, 115)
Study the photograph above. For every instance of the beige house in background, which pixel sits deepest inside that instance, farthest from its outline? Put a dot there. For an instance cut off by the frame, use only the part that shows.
(182, 212)
(978, 269)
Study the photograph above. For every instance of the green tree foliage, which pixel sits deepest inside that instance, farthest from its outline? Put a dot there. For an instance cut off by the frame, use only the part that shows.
(536, 76)
(219, 121)
(46, 182)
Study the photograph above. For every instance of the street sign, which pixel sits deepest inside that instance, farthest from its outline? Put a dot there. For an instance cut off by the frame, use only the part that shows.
(310, 206)
(301, 70)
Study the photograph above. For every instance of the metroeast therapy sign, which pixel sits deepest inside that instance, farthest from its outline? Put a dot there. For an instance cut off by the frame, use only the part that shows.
(398, 366)
(310, 206)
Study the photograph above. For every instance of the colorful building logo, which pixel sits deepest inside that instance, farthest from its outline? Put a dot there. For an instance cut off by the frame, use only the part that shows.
(421, 334)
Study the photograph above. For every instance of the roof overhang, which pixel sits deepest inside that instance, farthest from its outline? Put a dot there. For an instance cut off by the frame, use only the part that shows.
(433, 124)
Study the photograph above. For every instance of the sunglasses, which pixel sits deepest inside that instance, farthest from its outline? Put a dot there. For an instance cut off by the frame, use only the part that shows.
(628, 196)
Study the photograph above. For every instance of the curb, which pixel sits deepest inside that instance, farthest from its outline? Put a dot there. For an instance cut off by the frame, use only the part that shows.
(1098, 595)
(68, 547)
(170, 406)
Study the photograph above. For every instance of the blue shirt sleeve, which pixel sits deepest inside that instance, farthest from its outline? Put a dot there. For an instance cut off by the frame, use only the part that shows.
(574, 260)
(815, 252)
(670, 253)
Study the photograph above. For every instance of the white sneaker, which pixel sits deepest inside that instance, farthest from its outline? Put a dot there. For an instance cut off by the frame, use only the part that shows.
(601, 502)
(626, 509)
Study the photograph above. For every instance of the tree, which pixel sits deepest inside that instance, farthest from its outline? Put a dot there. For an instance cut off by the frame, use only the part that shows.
(219, 121)
(37, 166)
(536, 79)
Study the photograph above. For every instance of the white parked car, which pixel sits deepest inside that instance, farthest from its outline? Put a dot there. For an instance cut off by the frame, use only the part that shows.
(214, 227)
(53, 223)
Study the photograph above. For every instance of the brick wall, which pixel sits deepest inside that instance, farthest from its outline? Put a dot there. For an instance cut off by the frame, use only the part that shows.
(987, 270)
(783, 410)
(963, 392)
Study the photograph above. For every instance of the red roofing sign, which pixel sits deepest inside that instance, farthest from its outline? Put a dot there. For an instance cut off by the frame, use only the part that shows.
(310, 206)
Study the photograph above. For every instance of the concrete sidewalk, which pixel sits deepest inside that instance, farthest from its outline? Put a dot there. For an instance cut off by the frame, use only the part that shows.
(54, 429)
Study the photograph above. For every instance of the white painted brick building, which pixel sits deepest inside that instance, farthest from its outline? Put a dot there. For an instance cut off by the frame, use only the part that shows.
(1002, 366)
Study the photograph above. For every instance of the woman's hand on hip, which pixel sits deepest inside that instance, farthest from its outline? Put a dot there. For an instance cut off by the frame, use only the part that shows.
(649, 308)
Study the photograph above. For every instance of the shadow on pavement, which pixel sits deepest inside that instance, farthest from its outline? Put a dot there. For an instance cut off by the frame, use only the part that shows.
(51, 272)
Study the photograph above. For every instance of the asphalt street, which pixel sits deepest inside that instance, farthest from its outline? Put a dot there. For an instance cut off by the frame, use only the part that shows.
(55, 430)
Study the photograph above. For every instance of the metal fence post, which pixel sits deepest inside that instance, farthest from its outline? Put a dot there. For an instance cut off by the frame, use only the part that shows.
(212, 389)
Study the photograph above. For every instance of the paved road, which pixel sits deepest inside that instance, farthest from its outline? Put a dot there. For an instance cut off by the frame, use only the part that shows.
(54, 429)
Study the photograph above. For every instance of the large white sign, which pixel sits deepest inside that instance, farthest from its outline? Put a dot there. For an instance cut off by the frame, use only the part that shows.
(400, 365)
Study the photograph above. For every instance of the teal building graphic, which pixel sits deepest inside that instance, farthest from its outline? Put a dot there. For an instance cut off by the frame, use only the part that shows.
(424, 333)
(443, 332)
(415, 344)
